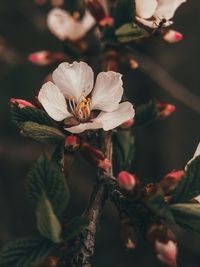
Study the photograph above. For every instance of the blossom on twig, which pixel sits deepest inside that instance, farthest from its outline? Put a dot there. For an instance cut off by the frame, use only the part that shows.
(67, 98)
(151, 12)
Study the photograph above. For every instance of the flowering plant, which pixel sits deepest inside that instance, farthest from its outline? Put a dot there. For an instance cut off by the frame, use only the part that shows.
(95, 120)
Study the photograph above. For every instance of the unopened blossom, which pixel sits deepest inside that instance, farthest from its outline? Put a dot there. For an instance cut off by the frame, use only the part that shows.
(151, 12)
(165, 109)
(126, 180)
(21, 103)
(172, 37)
(43, 58)
(73, 97)
(166, 252)
(72, 142)
(66, 27)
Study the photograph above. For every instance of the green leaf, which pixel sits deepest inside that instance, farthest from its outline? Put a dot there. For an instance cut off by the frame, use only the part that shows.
(46, 177)
(42, 133)
(124, 12)
(130, 32)
(187, 215)
(189, 186)
(47, 222)
(21, 115)
(76, 225)
(146, 114)
(25, 252)
(124, 149)
(157, 205)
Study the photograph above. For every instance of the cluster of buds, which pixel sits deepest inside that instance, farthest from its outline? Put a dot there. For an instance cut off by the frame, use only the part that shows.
(43, 58)
(95, 156)
(163, 241)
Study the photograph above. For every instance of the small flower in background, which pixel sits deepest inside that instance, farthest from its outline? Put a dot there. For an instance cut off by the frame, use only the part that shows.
(166, 252)
(65, 27)
(150, 13)
(21, 103)
(165, 110)
(43, 58)
(172, 37)
(67, 98)
(126, 180)
(72, 142)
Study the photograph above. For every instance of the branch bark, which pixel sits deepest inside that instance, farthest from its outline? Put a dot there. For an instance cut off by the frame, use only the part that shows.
(84, 245)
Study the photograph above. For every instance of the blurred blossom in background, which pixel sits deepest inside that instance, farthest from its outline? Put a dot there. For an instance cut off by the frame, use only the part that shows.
(161, 147)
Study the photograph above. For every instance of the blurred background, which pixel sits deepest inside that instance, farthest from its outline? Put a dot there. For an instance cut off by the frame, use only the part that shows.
(161, 147)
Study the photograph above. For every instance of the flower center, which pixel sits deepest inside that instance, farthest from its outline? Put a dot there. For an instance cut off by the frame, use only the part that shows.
(82, 110)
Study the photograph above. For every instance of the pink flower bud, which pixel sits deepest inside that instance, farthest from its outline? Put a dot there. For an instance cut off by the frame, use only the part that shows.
(133, 64)
(44, 58)
(40, 58)
(167, 252)
(165, 110)
(21, 103)
(126, 180)
(128, 234)
(106, 21)
(175, 175)
(96, 156)
(172, 36)
(72, 142)
(104, 164)
(127, 124)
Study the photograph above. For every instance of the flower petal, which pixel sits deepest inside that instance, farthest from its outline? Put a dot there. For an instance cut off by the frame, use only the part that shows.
(167, 8)
(145, 8)
(74, 80)
(196, 154)
(111, 120)
(59, 23)
(64, 26)
(53, 102)
(107, 92)
(84, 126)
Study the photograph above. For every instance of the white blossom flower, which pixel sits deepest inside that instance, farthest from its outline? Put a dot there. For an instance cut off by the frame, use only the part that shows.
(64, 26)
(151, 12)
(67, 98)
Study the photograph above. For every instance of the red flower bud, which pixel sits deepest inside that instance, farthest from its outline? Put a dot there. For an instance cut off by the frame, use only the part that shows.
(21, 103)
(171, 180)
(166, 252)
(126, 180)
(172, 36)
(106, 21)
(165, 110)
(72, 142)
(127, 124)
(44, 58)
(96, 156)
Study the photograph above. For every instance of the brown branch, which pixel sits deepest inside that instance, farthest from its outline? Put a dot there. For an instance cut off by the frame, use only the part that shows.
(83, 246)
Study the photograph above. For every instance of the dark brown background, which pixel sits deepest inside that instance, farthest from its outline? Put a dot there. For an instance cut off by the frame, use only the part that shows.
(161, 147)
